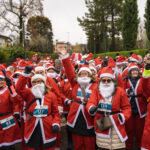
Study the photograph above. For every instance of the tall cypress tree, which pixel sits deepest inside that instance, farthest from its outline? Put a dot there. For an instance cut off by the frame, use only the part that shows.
(130, 24)
(147, 17)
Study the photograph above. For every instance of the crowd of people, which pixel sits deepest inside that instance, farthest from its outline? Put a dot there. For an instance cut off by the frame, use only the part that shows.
(103, 102)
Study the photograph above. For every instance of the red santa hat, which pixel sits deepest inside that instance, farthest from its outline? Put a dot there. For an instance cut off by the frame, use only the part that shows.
(14, 64)
(101, 57)
(38, 76)
(50, 66)
(84, 68)
(16, 72)
(2, 67)
(121, 60)
(39, 68)
(111, 63)
(133, 66)
(22, 64)
(98, 63)
(107, 72)
(134, 58)
(2, 75)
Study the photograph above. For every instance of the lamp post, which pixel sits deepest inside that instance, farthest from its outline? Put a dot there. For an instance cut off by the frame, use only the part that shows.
(23, 15)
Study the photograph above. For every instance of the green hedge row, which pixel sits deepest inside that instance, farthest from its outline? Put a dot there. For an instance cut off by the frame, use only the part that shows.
(8, 55)
(124, 53)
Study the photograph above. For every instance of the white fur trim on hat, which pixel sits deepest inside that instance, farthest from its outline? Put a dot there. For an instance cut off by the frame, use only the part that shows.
(85, 69)
(133, 59)
(2, 77)
(38, 76)
(39, 68)
(121, 63)
(133, 67)
(92, 68)
(107, 75)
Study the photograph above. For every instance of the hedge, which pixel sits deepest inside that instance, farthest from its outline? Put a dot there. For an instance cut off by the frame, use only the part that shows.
(8, 55)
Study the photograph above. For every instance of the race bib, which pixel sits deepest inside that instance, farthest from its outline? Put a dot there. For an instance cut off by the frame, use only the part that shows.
(40, 111)
(7, 123)
(104, 106)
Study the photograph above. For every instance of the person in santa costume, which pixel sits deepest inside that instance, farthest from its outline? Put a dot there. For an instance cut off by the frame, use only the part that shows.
(10, 133)
(111, 103)
(43, 120)
(134, 90)
(146, 92)
(79, 122)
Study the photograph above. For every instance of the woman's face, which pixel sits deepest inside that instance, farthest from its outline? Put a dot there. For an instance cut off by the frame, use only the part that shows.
(2, 82)
(83, 74)
(134, 73)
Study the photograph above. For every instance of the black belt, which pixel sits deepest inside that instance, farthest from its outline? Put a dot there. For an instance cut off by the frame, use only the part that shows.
(5, 114)
(108, 113)
(76, 101)
(135, 96)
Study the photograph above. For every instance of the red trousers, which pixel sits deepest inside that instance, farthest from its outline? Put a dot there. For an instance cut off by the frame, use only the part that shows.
(83, 142)
(134, 130)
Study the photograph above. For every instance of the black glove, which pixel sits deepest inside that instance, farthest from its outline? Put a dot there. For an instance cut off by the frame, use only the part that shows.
(55, 128)
(130, 91)
(92, 109)
(28, 69)
(147, 67)
(17, 116)
(8, 82)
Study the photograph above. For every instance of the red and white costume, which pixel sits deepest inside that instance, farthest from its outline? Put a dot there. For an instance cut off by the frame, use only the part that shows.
(46, 123)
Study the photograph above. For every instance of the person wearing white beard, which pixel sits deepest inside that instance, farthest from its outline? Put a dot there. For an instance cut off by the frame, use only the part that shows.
(111, 102)
(43, 119)
(79, 122)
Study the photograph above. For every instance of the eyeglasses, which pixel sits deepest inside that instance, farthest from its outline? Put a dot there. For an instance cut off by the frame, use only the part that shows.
(106, 80)
(39, 81)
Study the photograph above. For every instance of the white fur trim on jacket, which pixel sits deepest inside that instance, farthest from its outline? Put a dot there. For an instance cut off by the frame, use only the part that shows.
(64, 57)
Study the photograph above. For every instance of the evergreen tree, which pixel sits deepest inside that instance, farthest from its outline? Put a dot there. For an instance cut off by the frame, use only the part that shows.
(130, 24)
(147, 17)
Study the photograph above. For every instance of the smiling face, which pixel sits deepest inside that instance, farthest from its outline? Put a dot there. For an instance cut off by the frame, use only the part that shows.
(134, 73)
(83, 74)
(37, 81)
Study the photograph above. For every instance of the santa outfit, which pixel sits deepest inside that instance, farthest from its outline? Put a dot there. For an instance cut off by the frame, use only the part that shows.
(10, 133)
(41, 112)
(79, 122)
(113, 103)
(135, 124)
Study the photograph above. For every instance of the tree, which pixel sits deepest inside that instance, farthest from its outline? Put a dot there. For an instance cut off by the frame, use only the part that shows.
(13, 11)
(101, 23)
(147, 17)
(130, 24)
(40, 29)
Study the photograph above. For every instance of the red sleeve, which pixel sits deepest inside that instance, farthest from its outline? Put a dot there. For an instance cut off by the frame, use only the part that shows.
(69, 70)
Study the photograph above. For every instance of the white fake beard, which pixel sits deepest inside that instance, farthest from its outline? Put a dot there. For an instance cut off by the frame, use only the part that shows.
(52, 75)
(38, 90)
(84, 81)
(106, 90)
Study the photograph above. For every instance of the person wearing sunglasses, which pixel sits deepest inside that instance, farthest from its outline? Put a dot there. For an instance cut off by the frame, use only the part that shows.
(138, 102)
(110, 102)
(43, 119)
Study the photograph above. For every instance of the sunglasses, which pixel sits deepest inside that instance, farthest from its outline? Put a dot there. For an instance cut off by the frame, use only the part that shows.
(106, 80)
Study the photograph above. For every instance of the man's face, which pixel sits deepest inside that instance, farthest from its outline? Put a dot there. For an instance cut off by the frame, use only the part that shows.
(51, 71)
(40, 72)
(60, 47)
(106, 80)
(37, 81)
(83, 74)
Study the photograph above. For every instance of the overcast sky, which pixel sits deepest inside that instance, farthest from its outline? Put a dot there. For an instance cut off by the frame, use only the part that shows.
(63, 15)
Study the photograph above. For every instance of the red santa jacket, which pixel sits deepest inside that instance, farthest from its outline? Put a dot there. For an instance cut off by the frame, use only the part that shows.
(120, 103)
(12, 134)
(46, 123)
(75, 108)
(65, 91)
(141, 101)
